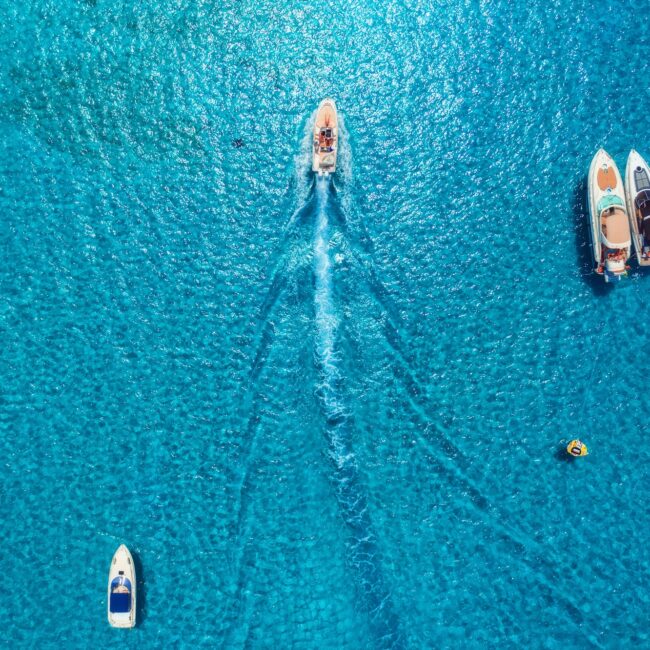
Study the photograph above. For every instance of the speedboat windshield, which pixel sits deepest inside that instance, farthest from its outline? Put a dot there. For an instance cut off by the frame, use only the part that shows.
(120, 584)
(609, 201)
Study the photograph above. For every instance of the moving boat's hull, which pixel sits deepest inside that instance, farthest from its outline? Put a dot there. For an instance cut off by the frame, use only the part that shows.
(604, 181)
(122, 567)
(326, 138)
(637, 179)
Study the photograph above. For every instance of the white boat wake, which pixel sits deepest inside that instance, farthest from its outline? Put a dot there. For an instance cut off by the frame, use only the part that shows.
(363, 549)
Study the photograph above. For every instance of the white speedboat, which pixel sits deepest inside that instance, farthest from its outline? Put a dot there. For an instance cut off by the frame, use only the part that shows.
(326, 138)
(637, 193)
(121, 589)
(610, 229)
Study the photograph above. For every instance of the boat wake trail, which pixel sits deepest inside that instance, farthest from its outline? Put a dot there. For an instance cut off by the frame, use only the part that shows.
(435, 436)
(364, 555)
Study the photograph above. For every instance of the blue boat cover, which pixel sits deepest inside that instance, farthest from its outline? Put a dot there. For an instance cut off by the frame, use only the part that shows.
(120, 603)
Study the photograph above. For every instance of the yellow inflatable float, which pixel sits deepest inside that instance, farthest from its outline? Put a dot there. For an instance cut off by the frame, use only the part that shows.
(577, 448)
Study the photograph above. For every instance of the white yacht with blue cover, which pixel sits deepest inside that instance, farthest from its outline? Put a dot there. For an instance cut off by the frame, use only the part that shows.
(121, 589)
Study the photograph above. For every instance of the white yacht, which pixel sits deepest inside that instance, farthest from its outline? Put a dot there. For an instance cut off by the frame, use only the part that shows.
(121, 589)
(610, 229)
(326, 138)
(637, 193)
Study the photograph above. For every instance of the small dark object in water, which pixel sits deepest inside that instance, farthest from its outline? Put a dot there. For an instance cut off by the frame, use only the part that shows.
(238, 143)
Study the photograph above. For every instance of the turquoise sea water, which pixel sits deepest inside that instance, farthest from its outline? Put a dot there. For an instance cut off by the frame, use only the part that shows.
(322, 415)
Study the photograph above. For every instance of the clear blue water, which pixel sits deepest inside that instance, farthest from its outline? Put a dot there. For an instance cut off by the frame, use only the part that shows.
(321, 415)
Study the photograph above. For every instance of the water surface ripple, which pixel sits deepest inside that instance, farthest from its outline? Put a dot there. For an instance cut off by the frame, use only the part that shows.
(320, 416)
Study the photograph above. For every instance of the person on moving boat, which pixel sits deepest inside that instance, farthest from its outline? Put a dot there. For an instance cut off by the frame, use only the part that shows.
(325, 139)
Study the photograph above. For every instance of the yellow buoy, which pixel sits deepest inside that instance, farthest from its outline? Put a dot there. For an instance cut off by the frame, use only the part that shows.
(577, 448)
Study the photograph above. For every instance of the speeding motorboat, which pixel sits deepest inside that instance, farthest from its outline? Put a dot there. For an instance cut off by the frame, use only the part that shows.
(121, 589)
(326, 138)
(610, 229)
(637, 193)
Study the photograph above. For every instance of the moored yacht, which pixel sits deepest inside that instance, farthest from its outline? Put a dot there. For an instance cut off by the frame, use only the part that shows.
(637, 193)
(121, 589)
(326, 138)
(610, 230)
